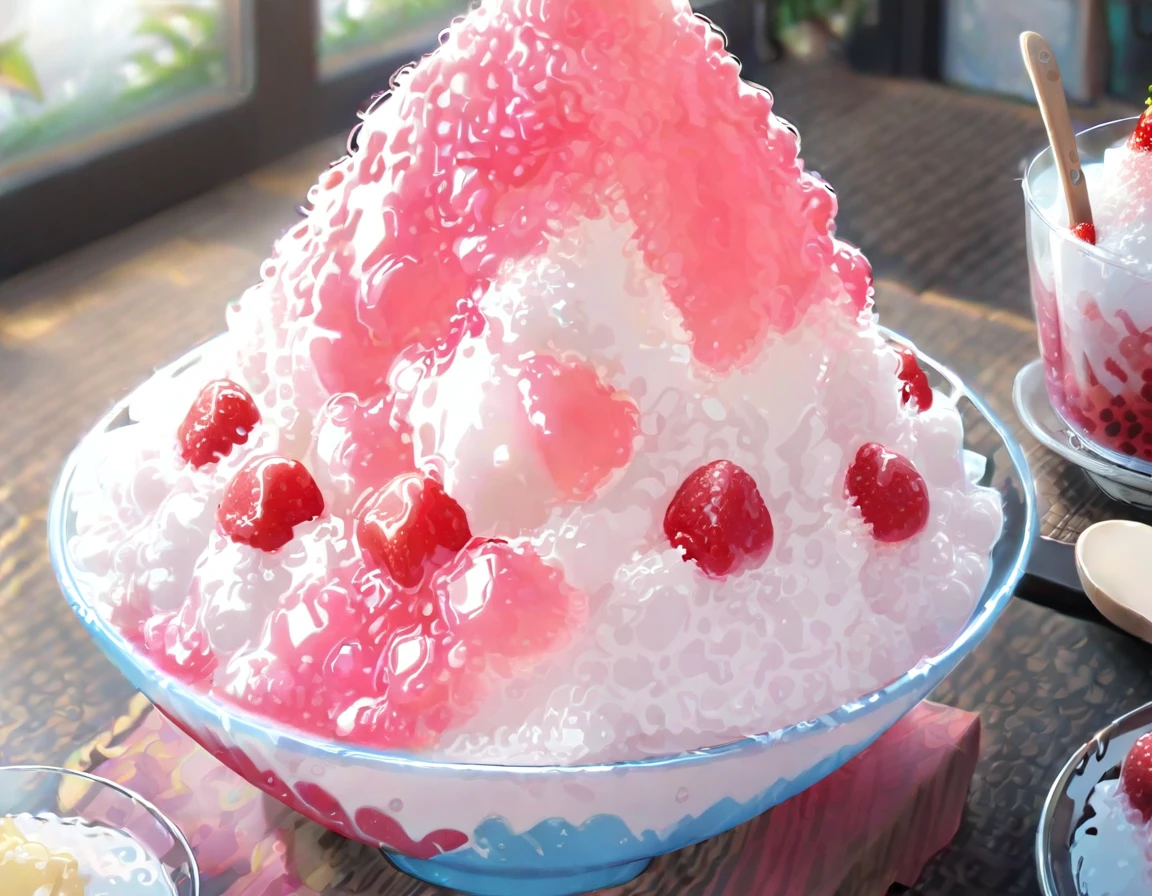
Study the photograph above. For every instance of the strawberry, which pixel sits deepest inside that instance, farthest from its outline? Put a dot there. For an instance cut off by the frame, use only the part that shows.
(266, 498)
(891, 494)
(222, 416)
(409, 521)
(1086, 232)
(718, 518)
(1136, 776)
(1140, 139)
(915, 381)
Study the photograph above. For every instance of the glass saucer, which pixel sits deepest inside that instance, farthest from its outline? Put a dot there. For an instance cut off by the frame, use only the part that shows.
(114, 833)
(1030, 397)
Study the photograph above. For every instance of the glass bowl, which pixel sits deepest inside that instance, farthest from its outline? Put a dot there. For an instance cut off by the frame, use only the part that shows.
(44, 790)
(1066, 807)
(1094, 318)
(553, 830)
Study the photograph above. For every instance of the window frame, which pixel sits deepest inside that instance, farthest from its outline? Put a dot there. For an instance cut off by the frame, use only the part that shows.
(289, 105)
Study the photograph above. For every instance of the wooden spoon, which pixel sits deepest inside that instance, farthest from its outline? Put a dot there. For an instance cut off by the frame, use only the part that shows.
(1114, 562)
(1045, 74)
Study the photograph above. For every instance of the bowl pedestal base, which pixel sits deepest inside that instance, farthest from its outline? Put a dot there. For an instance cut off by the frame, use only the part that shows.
(483, 883)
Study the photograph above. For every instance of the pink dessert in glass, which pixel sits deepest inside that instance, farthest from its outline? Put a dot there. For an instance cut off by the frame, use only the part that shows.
(1092, 292)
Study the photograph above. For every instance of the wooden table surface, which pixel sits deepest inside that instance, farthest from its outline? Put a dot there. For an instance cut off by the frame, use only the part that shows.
(926, 180)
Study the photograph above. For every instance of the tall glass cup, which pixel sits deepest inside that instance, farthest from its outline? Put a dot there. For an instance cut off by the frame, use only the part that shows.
(1094, 316)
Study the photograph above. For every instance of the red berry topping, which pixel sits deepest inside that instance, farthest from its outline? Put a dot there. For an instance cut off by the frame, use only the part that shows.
(222, 416)
(408, 522)
(1085, 231)
(1141, 138)
(915, 381)
(1136, 776)
(265, 499)
(891, 494)
(718, 517)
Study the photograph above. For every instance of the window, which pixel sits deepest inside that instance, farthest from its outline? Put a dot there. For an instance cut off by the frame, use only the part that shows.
(66, 94)
(113, 110)
(351, 32)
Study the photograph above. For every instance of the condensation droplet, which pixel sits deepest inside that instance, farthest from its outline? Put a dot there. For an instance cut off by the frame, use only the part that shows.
(395, 805)
(682, 795)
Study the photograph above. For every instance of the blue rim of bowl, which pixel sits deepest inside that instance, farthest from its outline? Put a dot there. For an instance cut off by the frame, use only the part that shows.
(147, 678)
(169, 825)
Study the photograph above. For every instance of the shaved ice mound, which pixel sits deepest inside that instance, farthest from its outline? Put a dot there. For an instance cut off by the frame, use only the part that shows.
(612, 459)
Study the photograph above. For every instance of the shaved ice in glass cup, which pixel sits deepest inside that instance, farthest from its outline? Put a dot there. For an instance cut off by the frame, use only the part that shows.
(1093, 302)
(555, 500)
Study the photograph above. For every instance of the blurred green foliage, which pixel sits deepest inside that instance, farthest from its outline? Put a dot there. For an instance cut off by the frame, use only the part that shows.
(17, 76)
(191, 53)
(379, 22)
(181, 54)
(792, 12)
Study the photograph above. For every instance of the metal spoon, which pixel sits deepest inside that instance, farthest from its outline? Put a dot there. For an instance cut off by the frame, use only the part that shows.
(1114, 562)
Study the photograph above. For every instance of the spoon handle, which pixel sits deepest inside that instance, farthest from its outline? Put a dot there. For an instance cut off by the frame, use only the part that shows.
(1040, 62)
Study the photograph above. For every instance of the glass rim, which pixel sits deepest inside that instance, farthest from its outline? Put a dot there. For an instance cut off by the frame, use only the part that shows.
(1087, 249)
(180, 841)
(146, 677)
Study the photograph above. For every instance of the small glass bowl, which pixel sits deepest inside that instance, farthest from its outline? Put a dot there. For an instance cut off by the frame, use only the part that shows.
(1067, 804)
(40, 789)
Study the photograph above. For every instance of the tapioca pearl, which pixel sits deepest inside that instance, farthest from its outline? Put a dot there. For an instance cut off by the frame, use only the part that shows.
(151, 483)
(325, 543)
(238, 587)
(591, 552)
(635, 674)
(939, 551)
(897, 653)
(664, 620)
(93, 551)
(817, 690)
(359, 446)
(980, 521)
(938, 447)
(862, 638)
(470, 426)
(781, 688)
(182, 523)
(787, 625)
(127, 472)
(263, 440)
